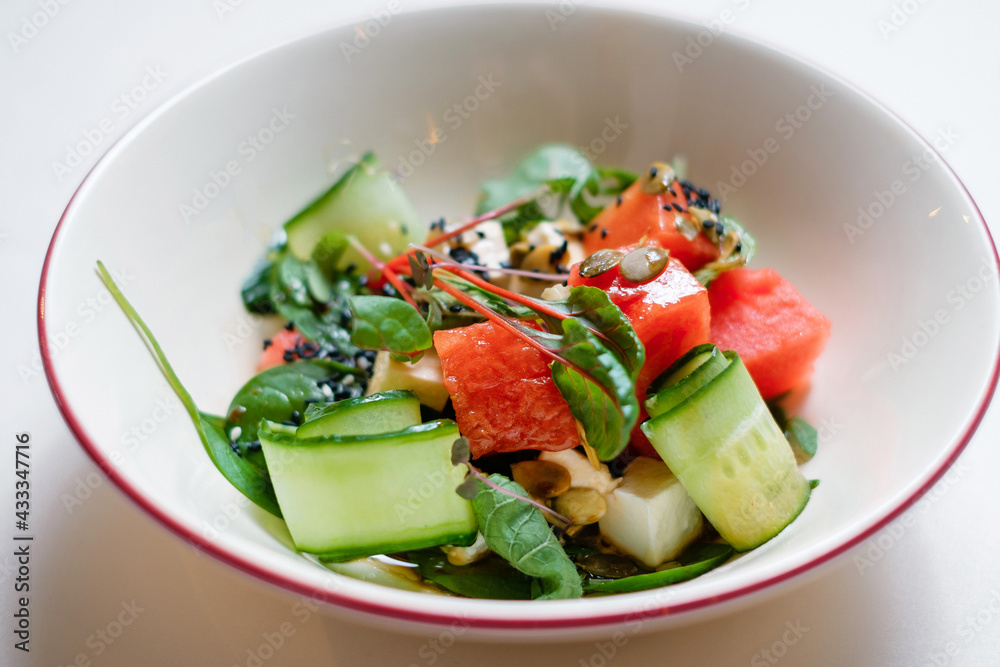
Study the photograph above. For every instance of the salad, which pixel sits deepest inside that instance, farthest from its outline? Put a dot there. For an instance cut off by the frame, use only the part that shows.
(578, 391)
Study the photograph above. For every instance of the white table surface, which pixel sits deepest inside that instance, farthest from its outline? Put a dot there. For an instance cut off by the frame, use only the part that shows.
(931, 598)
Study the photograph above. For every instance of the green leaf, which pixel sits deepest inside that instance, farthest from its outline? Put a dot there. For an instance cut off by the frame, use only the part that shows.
(594, 306)
(558, 170)
(607, 409)
(696, 561)
(803, 438)
(274, 394)
(385, 323)
(518, 533)
(248, 477)
(489, 579)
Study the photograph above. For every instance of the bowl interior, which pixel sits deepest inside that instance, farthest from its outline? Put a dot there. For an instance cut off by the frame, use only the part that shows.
(846, 202)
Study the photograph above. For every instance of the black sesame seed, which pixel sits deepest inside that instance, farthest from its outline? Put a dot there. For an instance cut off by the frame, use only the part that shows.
(351, 268)
(255, 445)
(720, 229)
(556, 255)
(604, 233)
(667, 207)
(290, 326)
(652, 172)
(678, 207)
(672, 192)
(618, 200)
(236, 448)
(707, 224)
(288, 356)
(592, 228)
(481, 234)
(455, 308)
(268, 343)
(296, 417)
(738, 247)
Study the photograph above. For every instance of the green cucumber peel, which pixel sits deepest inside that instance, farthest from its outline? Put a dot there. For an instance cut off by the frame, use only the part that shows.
(275, 393)
(696, 561)
(249, 478)
(518, 533)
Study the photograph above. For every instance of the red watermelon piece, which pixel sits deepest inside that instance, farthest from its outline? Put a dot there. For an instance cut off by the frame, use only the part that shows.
(670, 315)
(639, 215)
(775, 330)
(503, 393)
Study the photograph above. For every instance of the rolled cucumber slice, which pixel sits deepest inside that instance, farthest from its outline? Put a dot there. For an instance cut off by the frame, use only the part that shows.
(345, 497)
(383, 412)
(367, 203)
(684, 377)
(732, 458)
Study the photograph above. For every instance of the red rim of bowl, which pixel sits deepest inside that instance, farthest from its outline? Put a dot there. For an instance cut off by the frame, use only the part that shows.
(484, 622)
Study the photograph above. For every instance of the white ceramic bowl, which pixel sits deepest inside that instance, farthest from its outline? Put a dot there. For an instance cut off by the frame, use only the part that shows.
(184, 204)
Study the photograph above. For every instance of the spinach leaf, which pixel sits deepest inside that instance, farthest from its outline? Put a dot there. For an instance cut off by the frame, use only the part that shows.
(518, 533)
(558, 170)
(311, 293)
(593, 305)
(250, 478)
(246, 475)
(489, 579)
(696, 561)
(385, 323)
(804, 434)
(607, 412)
(801, 435)
(274, 394)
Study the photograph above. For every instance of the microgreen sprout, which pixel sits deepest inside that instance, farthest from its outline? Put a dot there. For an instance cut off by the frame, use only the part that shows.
(461, 455)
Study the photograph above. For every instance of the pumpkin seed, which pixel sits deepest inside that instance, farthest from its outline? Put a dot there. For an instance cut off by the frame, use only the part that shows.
(599, 262)
(644, 264)
(609, 566)
(582, 505)
(542, 479)
(657, 179)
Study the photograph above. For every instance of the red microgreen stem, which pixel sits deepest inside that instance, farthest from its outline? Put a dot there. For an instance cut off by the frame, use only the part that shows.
(390, 275)
(444, 259)
(489, 215)
(541, 506)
